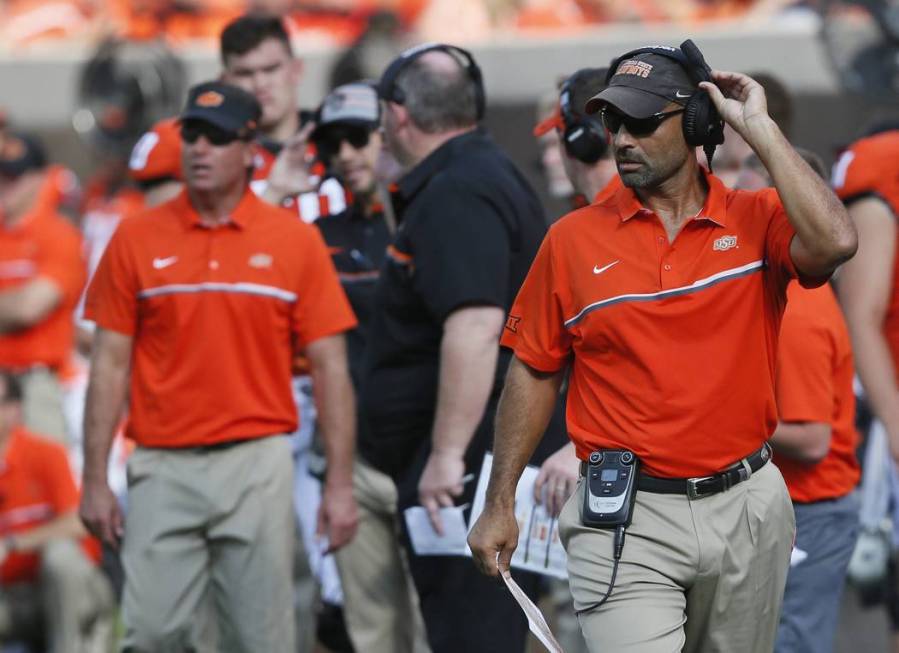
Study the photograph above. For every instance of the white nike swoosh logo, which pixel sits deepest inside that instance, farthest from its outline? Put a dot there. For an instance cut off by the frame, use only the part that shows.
(159, 263)
(598, 270)
(677, 94)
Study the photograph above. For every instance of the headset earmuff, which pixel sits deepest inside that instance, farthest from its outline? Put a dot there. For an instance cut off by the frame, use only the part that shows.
(584, 139)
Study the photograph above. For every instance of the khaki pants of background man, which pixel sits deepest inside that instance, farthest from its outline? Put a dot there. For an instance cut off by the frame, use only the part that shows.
(210, 524)
(71, 604)
(380, 603)
(704, 575)
(42, 404)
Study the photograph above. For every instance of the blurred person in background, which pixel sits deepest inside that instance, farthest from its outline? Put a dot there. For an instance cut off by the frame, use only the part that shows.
(814, 448)
(370, 53)
(257, 56)
(866, 178)
(42, 273)
(469, 225)
(52, 594)
(382, 612)
(548, 143)
(201, 302)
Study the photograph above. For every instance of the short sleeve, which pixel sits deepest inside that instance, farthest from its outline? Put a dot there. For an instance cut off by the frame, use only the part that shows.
(321, 308)
(56, 475)
(111, 299)
(778, 240)
(461, 250)
(804, 383)
(61, 260)
(535, 328)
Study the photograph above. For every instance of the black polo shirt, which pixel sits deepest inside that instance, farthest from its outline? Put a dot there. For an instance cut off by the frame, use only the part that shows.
(470, 225)
(357, 239)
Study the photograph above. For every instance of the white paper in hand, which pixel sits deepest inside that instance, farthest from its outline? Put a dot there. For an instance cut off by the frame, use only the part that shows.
(536, 622)
(426, 541)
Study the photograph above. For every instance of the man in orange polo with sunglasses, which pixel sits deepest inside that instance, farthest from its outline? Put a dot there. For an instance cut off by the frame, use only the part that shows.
(665, 301)
(203, 301)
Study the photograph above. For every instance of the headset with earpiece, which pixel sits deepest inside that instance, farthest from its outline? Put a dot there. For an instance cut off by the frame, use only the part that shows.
(390, 91)
(702, 124)
(584, 138)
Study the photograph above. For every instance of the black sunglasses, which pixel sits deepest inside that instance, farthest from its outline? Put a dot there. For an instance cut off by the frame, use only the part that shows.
(329, 140)
(612, 121)
(191, 131)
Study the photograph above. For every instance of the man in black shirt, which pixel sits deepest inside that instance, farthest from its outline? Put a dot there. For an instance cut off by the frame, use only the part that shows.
(469, 228)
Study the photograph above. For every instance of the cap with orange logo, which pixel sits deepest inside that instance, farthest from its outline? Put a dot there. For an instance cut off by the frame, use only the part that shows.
(20, 153)
(223, 105)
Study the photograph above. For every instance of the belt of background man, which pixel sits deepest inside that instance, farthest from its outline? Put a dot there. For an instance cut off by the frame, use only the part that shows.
(703, 486)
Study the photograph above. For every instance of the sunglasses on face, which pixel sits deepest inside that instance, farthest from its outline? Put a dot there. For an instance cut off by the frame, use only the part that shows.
(329, 142)
(191, 132)
(612, 121)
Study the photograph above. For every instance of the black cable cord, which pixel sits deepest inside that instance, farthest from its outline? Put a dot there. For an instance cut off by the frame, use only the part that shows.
(617, 548)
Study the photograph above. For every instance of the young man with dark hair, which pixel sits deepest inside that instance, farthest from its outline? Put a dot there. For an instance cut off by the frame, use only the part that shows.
(637, 294)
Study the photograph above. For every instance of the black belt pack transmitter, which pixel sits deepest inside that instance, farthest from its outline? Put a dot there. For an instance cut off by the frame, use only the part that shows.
(611, 488)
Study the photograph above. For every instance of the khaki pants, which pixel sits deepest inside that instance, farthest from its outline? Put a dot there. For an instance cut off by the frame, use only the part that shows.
(210, 526)
(42, 404)
(704, 575)
(380, 603)
(71, 604)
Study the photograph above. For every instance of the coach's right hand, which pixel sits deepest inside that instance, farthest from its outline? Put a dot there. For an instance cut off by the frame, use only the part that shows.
(495, 532)
(101, 513)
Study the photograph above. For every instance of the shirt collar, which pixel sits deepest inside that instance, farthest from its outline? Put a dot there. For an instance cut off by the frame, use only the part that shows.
(714, 209)
(240, 216)
(416, 178)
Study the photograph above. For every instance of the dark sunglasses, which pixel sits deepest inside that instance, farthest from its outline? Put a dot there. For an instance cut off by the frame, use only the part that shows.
(191, 131)
(612, 121)
(329, 141)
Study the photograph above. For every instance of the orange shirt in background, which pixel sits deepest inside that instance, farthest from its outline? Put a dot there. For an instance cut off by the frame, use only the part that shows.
(42, 244)
(216, 315)
(870, 168)
(673, 345)
(36, 486)
(814, 384)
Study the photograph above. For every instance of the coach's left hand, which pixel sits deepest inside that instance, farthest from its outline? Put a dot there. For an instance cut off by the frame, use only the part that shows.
(338, 515)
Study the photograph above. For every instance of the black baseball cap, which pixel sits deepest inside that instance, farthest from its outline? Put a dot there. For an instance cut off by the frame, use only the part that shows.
(643, 84)
(20, 153)
(351, 104)
(223, 105)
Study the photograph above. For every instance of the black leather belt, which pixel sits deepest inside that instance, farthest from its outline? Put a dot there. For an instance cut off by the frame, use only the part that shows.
(703, 486)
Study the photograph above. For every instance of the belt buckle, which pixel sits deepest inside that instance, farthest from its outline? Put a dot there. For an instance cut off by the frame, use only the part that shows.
(693, 486)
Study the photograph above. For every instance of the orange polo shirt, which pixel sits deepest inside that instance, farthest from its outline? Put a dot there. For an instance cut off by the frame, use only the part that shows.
(870, 167)
(42, 244)
(36, 486)
(215, 314)
(814, 384)
(672, 344)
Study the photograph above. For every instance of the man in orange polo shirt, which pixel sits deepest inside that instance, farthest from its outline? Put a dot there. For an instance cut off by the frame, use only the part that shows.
(50, 587)
(42, 273)
(205, 298)
(666, 301)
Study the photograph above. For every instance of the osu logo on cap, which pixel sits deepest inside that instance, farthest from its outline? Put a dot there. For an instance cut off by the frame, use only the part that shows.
(209, 99)
(12, 149)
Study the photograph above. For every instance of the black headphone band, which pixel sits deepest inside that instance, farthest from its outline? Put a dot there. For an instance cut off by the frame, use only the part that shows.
(389, 90)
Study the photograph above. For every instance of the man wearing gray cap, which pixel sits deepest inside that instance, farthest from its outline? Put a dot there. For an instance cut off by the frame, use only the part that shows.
(664, 300)
(202, 301)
